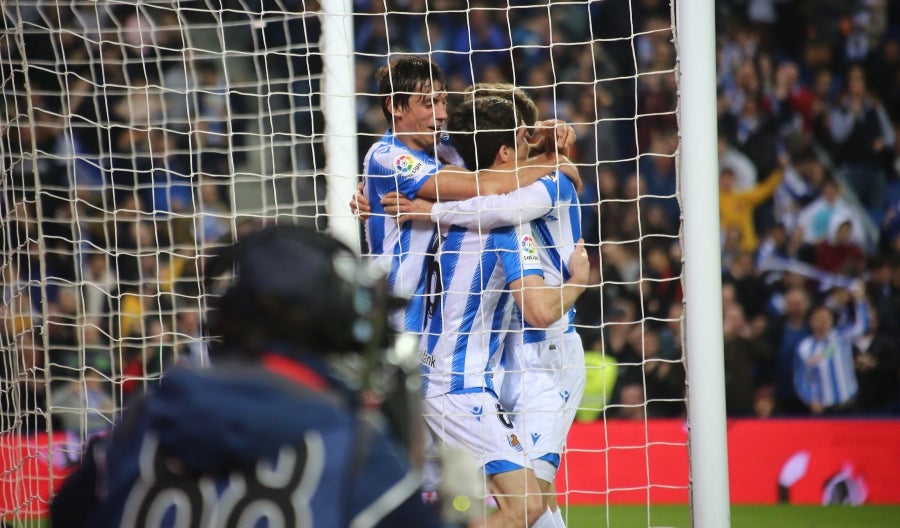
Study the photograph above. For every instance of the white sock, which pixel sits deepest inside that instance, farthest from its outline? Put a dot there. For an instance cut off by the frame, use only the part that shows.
(557, 516)
(545, 521)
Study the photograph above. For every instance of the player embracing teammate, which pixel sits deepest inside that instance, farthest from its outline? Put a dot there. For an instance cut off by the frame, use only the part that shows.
(493, 286)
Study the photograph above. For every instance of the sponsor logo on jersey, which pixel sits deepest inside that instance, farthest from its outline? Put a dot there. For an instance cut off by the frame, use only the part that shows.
(407, 165)
(426, 359)
(564, 395)
(529, 250)
(476, 412)
(535, 437)
(514, 442)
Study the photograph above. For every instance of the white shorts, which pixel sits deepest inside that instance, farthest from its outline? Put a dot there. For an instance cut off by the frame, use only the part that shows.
(476, 422)
(543, 385)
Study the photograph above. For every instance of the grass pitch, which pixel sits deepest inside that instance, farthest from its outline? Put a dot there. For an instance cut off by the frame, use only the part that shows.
(782, 516)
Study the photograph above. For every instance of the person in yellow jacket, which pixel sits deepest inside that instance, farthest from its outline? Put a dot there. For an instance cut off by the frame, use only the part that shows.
(736, 207)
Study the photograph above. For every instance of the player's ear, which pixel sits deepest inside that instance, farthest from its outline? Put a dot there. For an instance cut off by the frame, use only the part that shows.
(393, 109)
(506, 153)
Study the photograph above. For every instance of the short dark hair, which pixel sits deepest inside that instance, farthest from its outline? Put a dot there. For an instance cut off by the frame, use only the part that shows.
(404, 76)
(525, 105)
(480, 127)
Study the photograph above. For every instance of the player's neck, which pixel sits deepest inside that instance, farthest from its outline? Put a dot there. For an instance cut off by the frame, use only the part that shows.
(414, 141)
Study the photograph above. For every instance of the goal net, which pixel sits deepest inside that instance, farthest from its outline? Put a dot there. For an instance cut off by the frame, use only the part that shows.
(135, 137)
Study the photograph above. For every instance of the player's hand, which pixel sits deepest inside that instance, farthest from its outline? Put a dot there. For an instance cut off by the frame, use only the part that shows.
(404, 209)
(579, 265)
(359, 204)
(555, 135)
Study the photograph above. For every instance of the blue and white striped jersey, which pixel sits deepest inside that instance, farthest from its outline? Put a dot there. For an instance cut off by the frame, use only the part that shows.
(464, 342)
(551, 206)
(823, 368)
(403, 251)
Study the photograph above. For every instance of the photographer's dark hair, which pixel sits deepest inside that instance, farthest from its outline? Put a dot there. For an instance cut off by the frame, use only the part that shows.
(291, 285)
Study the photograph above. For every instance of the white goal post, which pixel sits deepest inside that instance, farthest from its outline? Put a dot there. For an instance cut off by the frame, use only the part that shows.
(695, 30)
(137, 137)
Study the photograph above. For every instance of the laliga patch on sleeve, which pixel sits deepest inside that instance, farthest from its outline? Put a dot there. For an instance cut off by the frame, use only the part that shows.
(528, 250)
(407, 166)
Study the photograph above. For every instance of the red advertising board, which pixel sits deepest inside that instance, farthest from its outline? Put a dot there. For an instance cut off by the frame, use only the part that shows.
(614, 462)
(770, 461)
(25, 471)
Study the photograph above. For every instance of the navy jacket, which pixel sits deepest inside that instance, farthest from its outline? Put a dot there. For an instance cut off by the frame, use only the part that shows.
(244, 446)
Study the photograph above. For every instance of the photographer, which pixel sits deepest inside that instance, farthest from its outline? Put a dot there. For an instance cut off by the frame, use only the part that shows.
(274, 434)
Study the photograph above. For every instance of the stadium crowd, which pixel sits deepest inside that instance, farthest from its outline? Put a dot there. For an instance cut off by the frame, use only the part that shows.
(809, 109)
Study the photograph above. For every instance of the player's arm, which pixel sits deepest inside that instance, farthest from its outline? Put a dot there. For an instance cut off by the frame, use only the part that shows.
(457, 183)
(487, 212)
(481, 212)
(543, 305)
(860, 323)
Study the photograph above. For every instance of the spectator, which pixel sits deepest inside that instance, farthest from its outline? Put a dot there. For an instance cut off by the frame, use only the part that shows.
(664, 377)
(745, 357)
(800, 185)
(740, 165)
(749, 288)
(660, 283)
(824, 375)
(775, 245)
(658, 171)
(736, 207)
(884, 293)
(85, 405)
(784, 335)
(789, 92)
(857, 129)
(838, 254)
(823, 215)
(877, 369)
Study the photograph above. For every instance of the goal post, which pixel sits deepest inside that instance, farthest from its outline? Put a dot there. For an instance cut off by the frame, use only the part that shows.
(695, 39)
(137, 137)
(339, 108)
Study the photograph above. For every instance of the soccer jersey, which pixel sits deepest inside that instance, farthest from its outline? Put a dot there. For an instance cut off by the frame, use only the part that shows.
(404, 251)
(446, 152)
(551, 206)
(823, 368)
(464, 341)
(543, 371)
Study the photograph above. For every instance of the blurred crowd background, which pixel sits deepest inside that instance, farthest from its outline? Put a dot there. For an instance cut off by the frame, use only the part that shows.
(127, 131)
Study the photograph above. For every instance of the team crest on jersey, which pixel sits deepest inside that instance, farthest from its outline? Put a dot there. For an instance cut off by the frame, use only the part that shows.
(529, 250)
(407, 165)
(514, 442)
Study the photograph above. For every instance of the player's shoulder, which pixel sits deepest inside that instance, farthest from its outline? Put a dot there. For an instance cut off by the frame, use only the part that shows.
(390, 157)
(559, 185)
(558, 179)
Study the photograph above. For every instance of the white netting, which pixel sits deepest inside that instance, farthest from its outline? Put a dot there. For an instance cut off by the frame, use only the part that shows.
(136, 137)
